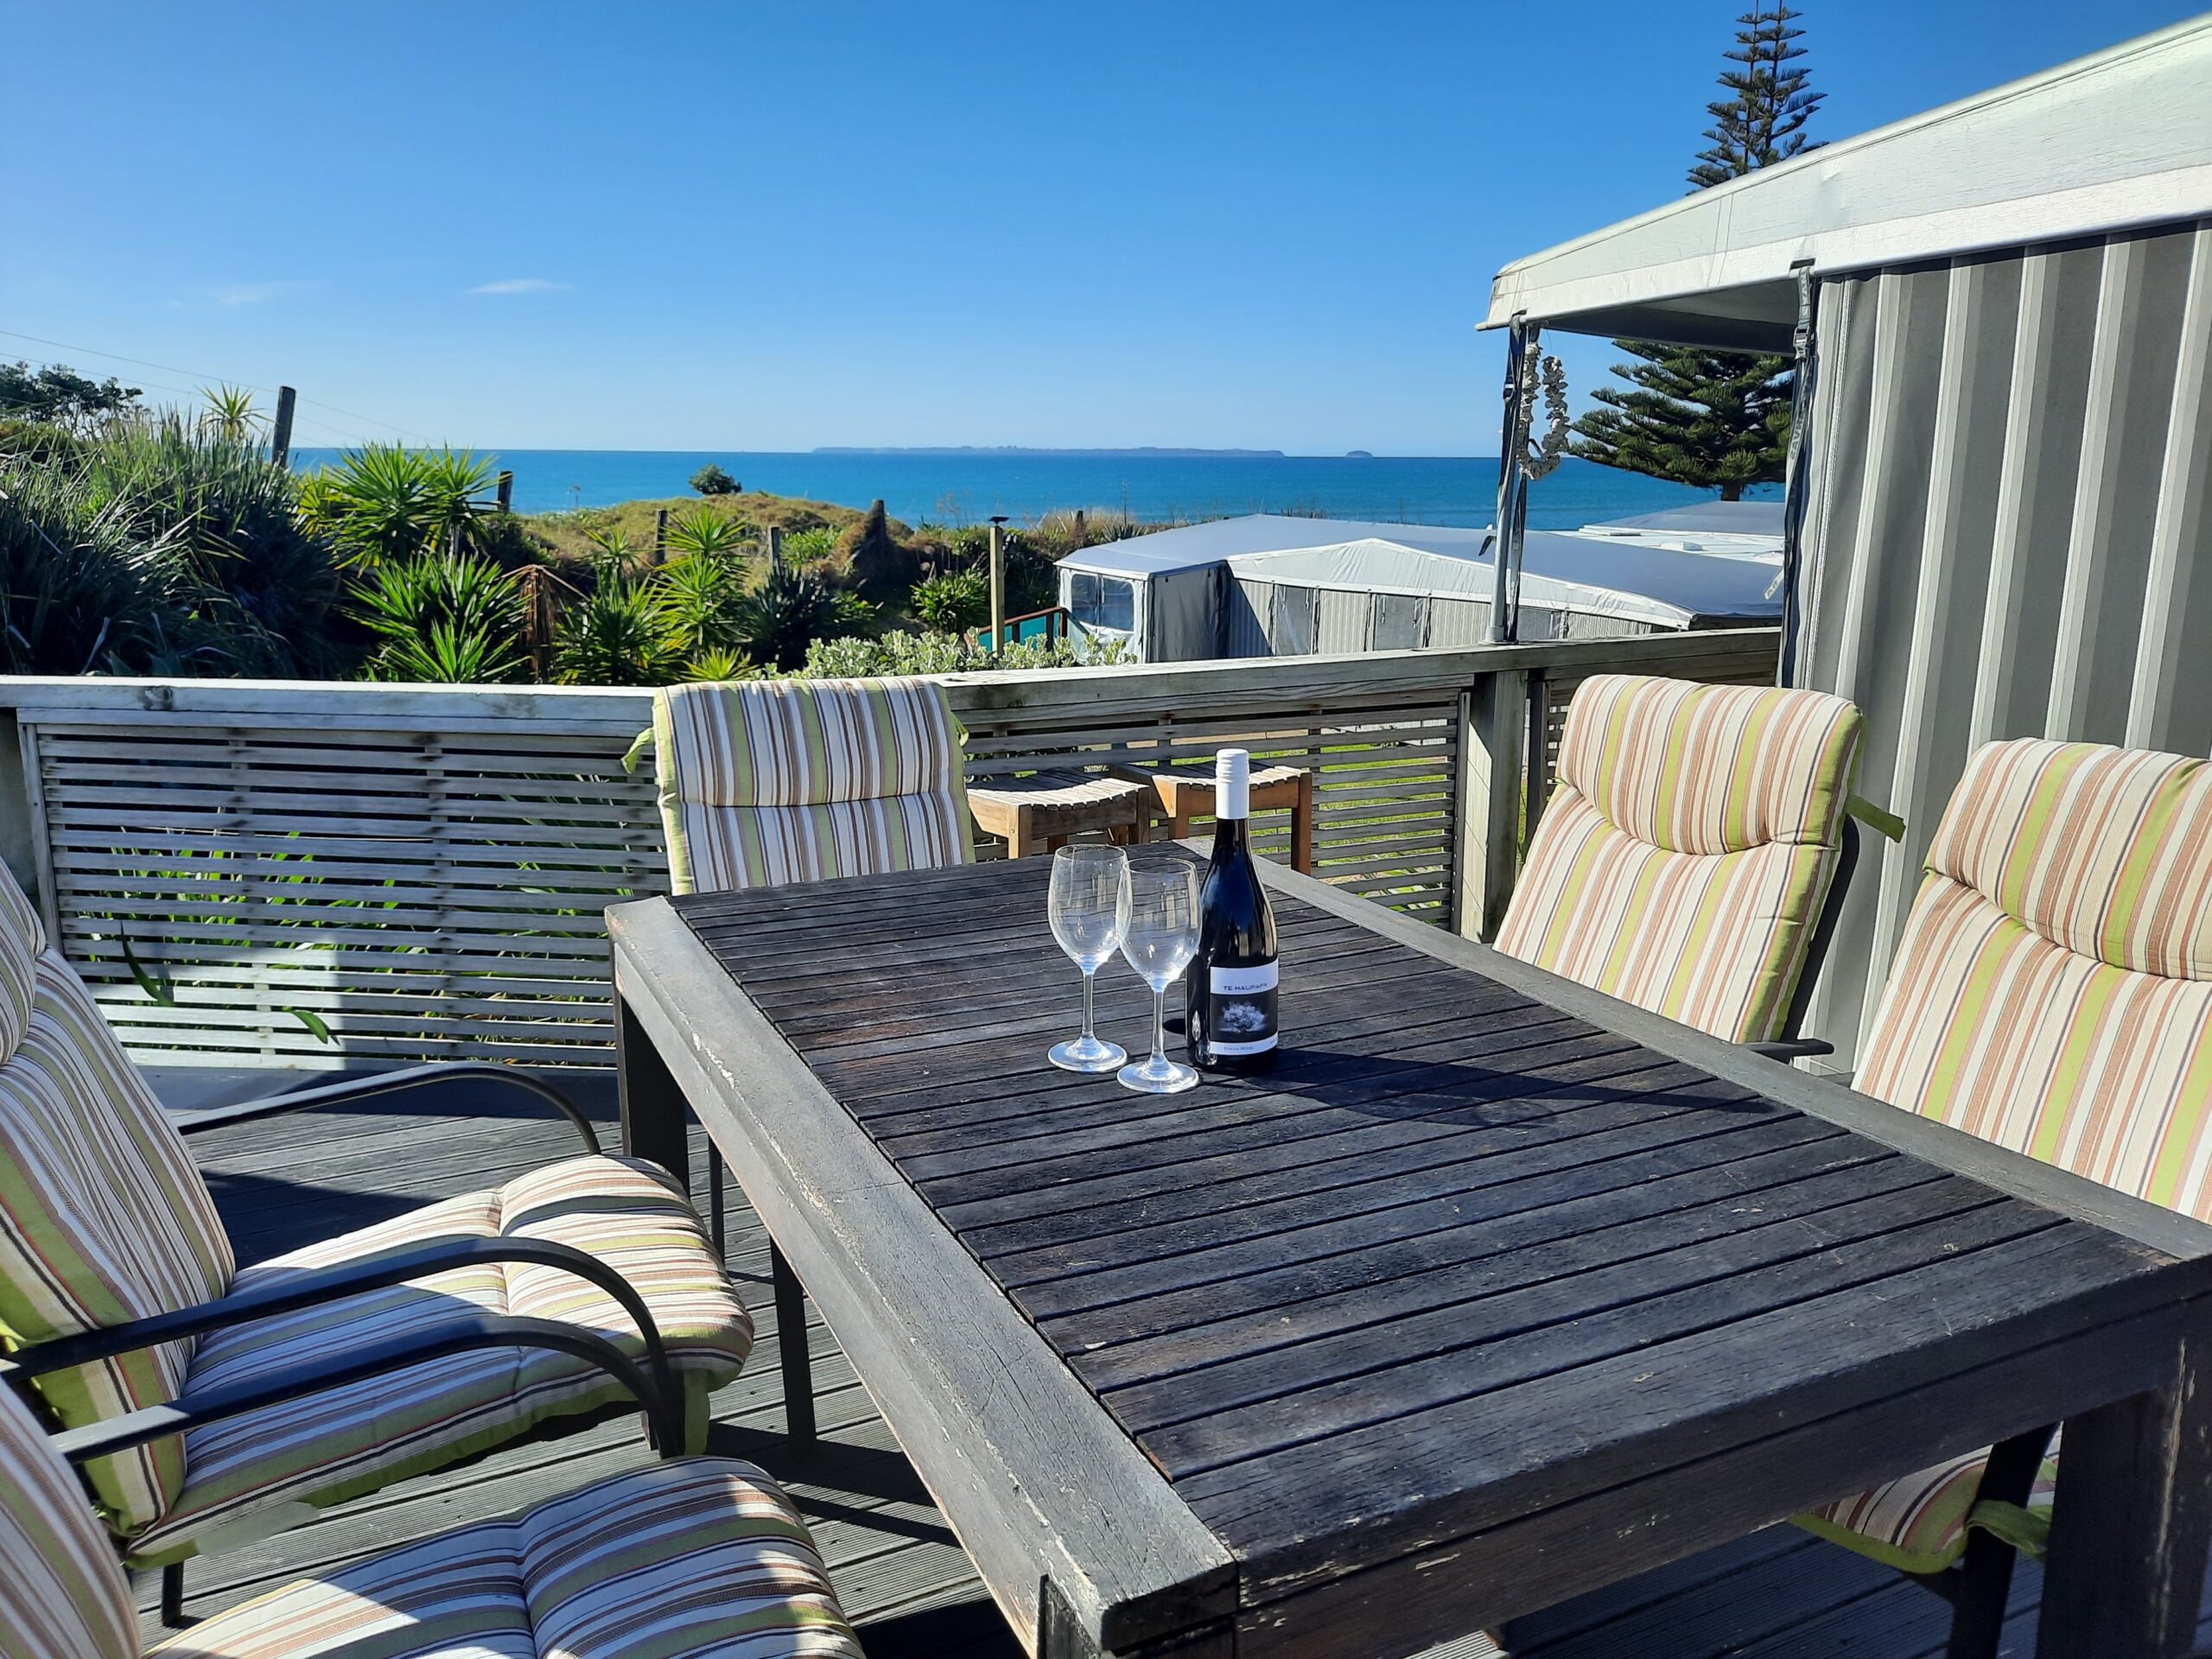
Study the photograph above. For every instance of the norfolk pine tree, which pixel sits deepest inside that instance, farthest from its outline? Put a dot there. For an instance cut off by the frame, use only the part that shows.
(1716, 419)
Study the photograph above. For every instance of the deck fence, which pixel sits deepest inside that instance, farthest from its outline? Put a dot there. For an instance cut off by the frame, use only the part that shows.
(238, 867)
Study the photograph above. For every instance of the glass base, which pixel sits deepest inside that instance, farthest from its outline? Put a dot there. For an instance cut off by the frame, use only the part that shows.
(1086, 1054)
(1161, 1076)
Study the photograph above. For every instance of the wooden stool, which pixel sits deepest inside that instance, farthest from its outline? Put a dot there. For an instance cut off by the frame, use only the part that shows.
(1050, 806)
(1186, 795)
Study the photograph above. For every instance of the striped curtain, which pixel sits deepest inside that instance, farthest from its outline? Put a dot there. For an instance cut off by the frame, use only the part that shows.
(2009, 530)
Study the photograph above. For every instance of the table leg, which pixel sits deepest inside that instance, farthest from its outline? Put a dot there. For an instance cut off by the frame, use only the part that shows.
(2130, 1531)
(656, 1118)
(797, 1360)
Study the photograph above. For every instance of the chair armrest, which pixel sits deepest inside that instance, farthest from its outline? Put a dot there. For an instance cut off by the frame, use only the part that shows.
(384, 1083)
(377, 1272)
(465, 1332)
(1791, 1048)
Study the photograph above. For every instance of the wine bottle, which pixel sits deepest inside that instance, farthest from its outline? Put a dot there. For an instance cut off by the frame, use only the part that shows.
(1232, 982)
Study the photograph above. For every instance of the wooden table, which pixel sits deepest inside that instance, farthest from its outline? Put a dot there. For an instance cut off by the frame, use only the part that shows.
(1184, 796)
(1051, 806)
(1495, 1291)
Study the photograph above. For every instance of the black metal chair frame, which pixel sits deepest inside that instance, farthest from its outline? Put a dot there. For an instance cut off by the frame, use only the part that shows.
(653, 1385)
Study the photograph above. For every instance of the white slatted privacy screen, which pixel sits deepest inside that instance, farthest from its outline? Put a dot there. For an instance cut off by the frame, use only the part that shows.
(2008, 532)
(422, 870)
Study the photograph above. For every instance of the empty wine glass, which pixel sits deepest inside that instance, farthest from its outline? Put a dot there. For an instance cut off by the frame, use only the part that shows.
(1160, 935)
(1085, 910)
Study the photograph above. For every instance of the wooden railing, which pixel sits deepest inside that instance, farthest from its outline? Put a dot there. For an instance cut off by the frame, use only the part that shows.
(240, 867)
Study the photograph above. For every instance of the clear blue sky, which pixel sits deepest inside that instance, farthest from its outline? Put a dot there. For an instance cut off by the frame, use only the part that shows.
(546, 223)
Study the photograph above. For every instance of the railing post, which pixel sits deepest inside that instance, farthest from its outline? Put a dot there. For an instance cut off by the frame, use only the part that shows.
(1493, 748)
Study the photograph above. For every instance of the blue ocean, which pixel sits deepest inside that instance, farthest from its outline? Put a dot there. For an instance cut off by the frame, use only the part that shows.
(965, 486)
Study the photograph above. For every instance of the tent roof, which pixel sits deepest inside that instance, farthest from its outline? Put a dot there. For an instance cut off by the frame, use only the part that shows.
(2115, 140)
(1647, 578)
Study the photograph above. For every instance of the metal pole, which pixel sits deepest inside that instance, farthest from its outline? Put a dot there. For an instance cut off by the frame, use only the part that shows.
(998, 581)
(279, 432)
(1796, 484)
(1505, 548)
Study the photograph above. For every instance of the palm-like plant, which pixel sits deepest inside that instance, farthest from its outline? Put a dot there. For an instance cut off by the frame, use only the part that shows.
(385, 501)
(698, 598)
(789, 612)
(703, 530)
(78, 589)
(230, 414)
(616, 636)
(448, 618)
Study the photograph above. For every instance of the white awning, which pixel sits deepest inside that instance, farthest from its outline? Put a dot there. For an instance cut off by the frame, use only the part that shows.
(2118, 139)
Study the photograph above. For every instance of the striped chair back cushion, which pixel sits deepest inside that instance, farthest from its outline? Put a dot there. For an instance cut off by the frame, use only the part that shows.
(103, 1217)
(2053, 990)
(770, 781)
(62, 1595)
(1682, 860)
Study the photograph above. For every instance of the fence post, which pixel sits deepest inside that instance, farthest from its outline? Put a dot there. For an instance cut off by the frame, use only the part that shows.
(660, 534)
(280, 430)
(998, 583)
(506, 492)
(1493, 748)
(775, 549)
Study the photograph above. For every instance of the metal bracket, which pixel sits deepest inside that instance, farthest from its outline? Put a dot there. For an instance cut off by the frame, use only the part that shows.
(1060, 1633)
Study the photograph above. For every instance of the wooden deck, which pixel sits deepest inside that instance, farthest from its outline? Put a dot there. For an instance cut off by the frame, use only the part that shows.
(1778, 1595)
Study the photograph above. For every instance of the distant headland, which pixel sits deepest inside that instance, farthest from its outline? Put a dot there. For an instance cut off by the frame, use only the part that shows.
(1024, 449)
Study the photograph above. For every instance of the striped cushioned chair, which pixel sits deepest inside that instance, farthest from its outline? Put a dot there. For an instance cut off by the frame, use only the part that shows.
(2052, 993)
(118, 1294)
(1682, 863)
(691, 1557)
(764, 782)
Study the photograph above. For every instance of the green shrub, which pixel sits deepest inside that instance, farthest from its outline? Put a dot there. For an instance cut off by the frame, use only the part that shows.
(783, 619)
(711, 480)
(79, 592)
(698, 598)
(703, 530)
(614, 636)
(956, 600)
(452, 619)
(386, 501)
(228, 519)
(941, 653)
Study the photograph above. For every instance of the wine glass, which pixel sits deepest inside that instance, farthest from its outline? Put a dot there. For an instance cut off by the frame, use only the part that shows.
(1159, 934)
(1085, 910)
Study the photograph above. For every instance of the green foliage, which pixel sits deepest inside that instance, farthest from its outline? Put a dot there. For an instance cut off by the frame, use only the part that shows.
(873, 558)
(1765, 120)
(60, 397)
(77, 591)
(942, 653)
(723, 666)
(386, 501)
(788, 613)
(616, 636)
(452, 619)
(1718, 420)
(230, 414)
(704, 531)
(39, 441)
(816, 545)
(698, 598)
(953, 601)
(227, 520)
(711, 480)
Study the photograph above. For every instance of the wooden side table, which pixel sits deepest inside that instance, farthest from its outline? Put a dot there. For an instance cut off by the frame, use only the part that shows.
(1050, 806)
(1186, 795)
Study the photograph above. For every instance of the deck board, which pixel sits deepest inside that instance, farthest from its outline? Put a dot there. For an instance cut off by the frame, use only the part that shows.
(284, 1182)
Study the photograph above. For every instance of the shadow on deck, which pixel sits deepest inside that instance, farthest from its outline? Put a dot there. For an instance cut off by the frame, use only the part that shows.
(903, 1579)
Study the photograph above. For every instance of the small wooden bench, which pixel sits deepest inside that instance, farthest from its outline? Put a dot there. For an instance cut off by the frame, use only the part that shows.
(1184, 796)
(1051, 806)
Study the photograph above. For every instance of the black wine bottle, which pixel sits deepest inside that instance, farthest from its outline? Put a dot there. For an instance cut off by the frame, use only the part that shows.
(1233, 979)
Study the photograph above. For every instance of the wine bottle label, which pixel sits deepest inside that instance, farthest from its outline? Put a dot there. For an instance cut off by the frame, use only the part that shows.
(1241, 1008)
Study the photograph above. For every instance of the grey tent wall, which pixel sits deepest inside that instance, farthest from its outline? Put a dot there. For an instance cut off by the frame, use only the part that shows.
(2008, 533)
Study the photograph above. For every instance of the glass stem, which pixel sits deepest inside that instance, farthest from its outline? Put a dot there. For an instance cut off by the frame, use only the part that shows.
(1090, 982)
(1159, 1026)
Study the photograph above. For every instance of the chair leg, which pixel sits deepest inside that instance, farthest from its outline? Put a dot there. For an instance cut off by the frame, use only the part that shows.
(715, 1201)
(1982, 1587)
(173, 1614)
(791, 1347)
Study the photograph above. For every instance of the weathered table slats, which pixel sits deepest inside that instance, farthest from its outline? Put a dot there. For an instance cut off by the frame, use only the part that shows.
(1464, 1264)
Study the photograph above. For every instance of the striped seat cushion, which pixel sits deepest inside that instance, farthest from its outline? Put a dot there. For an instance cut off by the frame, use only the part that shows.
(103, 1217)
(702, 1556)
(771, 781)
(252, 1474)
(2052, 993)
(1682, 864)
(62, 1595)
